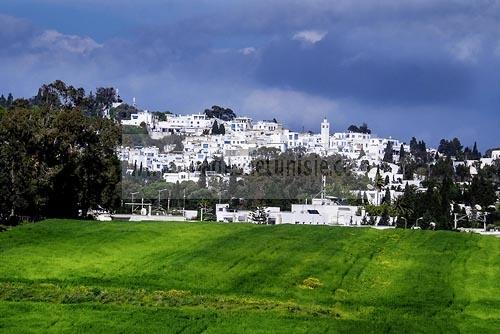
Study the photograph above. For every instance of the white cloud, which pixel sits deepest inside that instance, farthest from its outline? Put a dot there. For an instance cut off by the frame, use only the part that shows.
(467, 49)
(247, 51)
(310, 36)
(54, 40)
(290, 106)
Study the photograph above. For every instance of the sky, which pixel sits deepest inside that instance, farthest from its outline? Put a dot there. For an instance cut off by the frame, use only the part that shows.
(423, 68)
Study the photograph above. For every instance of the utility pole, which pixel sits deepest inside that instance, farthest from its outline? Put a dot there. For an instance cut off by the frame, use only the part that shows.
(184, 202)
(168, 200)
(323, 187)
(159, 197)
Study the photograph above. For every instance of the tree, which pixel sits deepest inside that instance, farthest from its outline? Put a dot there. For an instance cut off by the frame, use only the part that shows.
(54, 159)
(387, 197)
(202, 181)
(403, 209)
(365, 198)
(224, 114)
(402, 153)
(10, 99)
(259, 215)
(215, 128)
(475, 153)
(361, 153)
(481, 192)
(379, 184)
(450, 148)
(462, 172)
(353, 128)
(388, 152)
(222, 129)
(361, 129)
(206, 212)
(105, 97)
(123, 111)
(384, 219)
(359, 199)
(364, 129)
(441, 169)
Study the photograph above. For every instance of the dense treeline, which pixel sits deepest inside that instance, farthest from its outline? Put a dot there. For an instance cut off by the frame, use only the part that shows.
(57, 155)
(277, 179)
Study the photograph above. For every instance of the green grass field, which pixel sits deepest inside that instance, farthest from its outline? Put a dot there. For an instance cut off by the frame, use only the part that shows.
(122, 277)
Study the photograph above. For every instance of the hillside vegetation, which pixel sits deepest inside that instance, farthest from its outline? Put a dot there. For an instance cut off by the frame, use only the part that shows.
(81, 276)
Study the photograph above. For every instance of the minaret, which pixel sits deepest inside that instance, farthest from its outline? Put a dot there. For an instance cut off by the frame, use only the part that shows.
(325, 134)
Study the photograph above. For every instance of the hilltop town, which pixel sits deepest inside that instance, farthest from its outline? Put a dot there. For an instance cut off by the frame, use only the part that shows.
(219, 135)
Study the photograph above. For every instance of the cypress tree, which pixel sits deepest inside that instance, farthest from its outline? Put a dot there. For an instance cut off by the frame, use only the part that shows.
(10, 99)
(475, 153)
(215, 128)
(388, 153)
(202, 181)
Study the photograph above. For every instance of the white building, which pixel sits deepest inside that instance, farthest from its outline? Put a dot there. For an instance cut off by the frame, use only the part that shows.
(181, 177)
(319, 212)
(139, 118)
(194, 124)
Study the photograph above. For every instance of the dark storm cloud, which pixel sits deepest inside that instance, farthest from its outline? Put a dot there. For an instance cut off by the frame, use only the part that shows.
(428, 62)
(336, 69)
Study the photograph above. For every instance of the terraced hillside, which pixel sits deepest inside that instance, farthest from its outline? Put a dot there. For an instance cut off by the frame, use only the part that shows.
(79, 276)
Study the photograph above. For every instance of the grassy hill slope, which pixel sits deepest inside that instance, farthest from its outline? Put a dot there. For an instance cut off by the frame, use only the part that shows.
(78, 276)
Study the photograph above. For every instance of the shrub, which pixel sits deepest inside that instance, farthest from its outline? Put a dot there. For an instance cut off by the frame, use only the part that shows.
(311, 283)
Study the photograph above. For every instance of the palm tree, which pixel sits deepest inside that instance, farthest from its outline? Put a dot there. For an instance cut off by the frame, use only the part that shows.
(259, 215)
(204, 207)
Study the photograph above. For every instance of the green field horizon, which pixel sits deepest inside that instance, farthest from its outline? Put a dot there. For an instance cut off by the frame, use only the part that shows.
(70, 276)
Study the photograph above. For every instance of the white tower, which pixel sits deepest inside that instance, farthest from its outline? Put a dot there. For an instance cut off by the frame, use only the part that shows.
(325, 134)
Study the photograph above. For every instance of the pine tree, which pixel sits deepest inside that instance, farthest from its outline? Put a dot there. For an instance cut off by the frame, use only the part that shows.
(222, 129)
